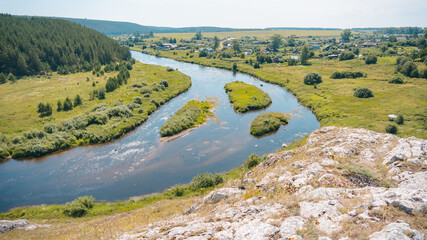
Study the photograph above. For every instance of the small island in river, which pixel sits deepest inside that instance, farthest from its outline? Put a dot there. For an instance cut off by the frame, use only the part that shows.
(268, 122)
(191, 115)
(246, 97)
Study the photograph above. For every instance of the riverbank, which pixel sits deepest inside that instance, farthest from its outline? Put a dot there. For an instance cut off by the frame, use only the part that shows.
(332, 101)
(24, 134)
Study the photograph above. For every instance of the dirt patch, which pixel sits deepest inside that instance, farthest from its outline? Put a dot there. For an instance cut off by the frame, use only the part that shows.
(361, 180)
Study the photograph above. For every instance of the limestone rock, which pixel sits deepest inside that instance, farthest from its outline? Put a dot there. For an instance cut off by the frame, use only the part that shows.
(395, 231)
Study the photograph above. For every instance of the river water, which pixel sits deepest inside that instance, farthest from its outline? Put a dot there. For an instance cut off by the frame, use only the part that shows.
(139, 163)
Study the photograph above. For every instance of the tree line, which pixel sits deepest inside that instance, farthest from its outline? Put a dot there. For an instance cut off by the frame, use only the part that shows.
(36, 45)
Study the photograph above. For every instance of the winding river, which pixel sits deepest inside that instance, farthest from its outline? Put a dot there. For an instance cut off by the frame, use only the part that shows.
(138, 163)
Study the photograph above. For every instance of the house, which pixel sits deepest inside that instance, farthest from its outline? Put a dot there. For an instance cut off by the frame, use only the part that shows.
(327, 47)
(332, 56)
(400, 39)
(295, 58)
(169, 45)
(249, 52)
(368, 44)
(316, 47)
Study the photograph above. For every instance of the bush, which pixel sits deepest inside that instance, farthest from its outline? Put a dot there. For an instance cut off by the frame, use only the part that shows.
(155, 102)
(292, 62)
(49, 128)
(400, 120)
(170, 69)
(256, 65)
(423, 73)
(87, 201)
(137, 100)
(145, 90)
(363, 93)
(205, 180)
(253, 160)
(164, 83)
(391, 129)
(234, 67)
(396, 80)
(340, 75)
(75, 209)
(371, 60)
(346, 56)
(312, 78)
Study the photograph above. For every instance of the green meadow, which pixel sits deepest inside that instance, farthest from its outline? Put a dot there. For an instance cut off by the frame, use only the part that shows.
(246, 97)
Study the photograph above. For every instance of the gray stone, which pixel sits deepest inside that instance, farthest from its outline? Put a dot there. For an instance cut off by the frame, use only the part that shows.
(291, 225)
(397, 231)
(256, 230)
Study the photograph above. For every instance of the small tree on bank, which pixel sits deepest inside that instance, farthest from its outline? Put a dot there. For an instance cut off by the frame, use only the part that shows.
(312, 78)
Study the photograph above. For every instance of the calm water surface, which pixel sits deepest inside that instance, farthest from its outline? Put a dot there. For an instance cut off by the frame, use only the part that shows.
(139, 163)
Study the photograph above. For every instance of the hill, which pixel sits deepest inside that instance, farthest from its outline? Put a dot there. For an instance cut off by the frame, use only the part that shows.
(117, 28)
(33, 45)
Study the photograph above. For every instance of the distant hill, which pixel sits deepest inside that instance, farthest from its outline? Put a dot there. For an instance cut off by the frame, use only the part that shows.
(33, 45)
(117, 28)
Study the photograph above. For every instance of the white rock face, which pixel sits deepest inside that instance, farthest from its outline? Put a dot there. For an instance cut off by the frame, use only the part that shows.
(292, 187)
(397, 231)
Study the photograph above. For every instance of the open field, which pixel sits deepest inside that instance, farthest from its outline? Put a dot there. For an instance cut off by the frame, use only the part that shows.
(261, 35)
(19, 103)
(332, 101)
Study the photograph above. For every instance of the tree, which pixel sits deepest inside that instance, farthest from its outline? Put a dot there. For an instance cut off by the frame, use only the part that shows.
(291, 41)
(216, 43)
(392, 38)
(198, 35)
(371, 59)
(363, 93)
(236, 45)
(59, 106)
(3, 78)
(305, 55)
(391, 129)
(101, 93)
(68, 105)
(400, 120)
(77, 100)
(276, 41)
(234, 67)
(312, 78)
(345, 35)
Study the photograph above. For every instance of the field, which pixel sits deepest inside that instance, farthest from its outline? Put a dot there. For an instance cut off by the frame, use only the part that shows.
(267, 123)
(332, 101)
(18, 103)
(246, 97)
(261, 35)
(192, 114)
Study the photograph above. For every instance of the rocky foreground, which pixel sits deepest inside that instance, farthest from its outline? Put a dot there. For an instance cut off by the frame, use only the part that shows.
(342, 184)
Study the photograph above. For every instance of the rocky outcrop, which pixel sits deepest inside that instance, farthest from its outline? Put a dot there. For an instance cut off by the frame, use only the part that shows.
(9, 225)
(340, 176)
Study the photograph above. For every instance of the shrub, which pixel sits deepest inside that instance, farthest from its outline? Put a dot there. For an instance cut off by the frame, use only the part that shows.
(256, 65)
(75, 209)
(87, 201)
(400, 120)
(137, 100)
(139, 84)
(101, 93)
(391, 129)
(155, 102)
(312, 78)
(371, 60)
(49, 128)
(292, 62)
(346, 56)
(340, 75)
(145, 90)
(234, 67)
(170, 69)
(164, 83)
(205, 180)
(119, 111)
(100, 118)
(396, 80)
(409, 69)
(363, 93)
(252, 161)
(423, 73)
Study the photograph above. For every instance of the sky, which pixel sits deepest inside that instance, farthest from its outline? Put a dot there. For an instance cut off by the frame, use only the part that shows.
(233, 13)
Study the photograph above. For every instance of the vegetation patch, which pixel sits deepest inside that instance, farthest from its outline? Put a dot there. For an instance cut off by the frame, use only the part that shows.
(193, 113)
(246, 97)
(312, 78)
(363, 93)
(340, 75)
(267, 123)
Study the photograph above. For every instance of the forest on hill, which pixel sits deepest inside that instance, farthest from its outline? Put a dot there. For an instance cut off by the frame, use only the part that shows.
(35, 45)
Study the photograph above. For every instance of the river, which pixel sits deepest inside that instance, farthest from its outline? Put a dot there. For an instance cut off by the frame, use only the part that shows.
(138, 163)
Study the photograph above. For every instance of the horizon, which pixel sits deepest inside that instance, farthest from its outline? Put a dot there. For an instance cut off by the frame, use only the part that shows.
(250, 14)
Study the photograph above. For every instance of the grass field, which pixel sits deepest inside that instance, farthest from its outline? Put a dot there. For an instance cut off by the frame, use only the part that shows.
(18, 103)
(246, 97)
(267, 123)
(332, 101)
(192, 114)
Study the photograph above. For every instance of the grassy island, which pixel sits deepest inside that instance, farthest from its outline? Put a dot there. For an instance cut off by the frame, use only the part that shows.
(246, 97)
(267, 123)
(193, 113)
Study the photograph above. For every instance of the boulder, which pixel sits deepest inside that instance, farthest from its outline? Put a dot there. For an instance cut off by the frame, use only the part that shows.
(397, 231)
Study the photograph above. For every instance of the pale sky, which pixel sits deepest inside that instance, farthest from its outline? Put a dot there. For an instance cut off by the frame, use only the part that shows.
(233, 13)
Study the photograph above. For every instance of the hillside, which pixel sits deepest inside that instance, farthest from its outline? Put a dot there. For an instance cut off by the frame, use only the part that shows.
(342, 183)
(34, 45)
